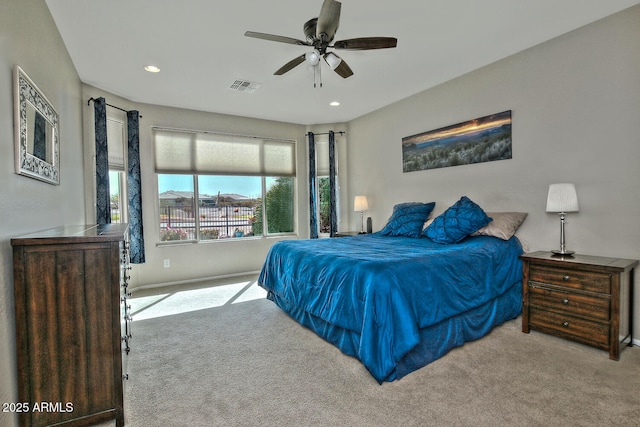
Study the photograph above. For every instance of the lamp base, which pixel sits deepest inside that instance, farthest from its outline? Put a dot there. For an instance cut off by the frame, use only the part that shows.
(561, 252)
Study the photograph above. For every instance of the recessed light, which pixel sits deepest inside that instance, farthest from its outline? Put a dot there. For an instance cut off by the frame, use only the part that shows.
(152, 69)
(334, 103)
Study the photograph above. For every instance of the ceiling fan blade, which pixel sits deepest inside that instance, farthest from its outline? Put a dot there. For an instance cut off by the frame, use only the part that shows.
(366, 43)
(344, 70)
(274, 38)
(328, 20)
(290, 65)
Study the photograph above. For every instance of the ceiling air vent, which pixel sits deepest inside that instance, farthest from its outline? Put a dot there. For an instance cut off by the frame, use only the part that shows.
(244, 86)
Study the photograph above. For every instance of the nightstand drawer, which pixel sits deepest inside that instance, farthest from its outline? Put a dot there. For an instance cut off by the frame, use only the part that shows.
(570, 303)
(571, 278)
(578, 329)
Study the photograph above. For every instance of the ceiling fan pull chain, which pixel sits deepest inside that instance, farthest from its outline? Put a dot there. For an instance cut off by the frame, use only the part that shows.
(317, 75)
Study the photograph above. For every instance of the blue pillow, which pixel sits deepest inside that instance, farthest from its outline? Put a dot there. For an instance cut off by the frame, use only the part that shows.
(461, 219)
(407, 219)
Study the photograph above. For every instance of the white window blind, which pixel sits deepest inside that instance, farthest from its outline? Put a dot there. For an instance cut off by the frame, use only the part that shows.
(322, 155)
(322, 158)
(115, 143)
(211, 153)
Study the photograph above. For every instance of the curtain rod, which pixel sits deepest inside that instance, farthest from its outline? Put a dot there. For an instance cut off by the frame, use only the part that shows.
(342, 132)
(112, 106)
(210, 132)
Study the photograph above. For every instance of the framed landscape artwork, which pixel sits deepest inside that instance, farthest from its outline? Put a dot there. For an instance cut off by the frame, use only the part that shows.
(480, 140)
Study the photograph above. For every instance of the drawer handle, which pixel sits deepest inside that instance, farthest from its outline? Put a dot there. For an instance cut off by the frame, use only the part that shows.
(565, 324)
(565, 301)
(565, 278)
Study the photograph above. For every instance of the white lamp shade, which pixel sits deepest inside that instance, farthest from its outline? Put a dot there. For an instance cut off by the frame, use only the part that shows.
(360, 204)
(562, 198)
(333, 60)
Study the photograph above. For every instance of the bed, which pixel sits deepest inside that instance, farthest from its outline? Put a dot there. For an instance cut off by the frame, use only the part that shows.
(396, 302)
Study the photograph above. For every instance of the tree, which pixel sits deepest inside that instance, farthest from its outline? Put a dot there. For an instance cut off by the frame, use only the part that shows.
(279, 206)
(324, 196)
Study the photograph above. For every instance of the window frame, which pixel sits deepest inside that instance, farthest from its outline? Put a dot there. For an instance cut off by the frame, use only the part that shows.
(123, 198)
(197, 212)
(118, 161)
(284, 165)
(322, 172)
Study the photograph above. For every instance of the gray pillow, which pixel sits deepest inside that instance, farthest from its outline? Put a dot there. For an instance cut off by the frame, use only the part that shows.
(503, 226)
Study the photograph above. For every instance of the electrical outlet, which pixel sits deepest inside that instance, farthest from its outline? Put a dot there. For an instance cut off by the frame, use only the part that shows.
(167, 263)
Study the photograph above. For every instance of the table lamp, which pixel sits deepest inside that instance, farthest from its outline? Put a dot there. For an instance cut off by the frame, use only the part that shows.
(360, 205)
(562, 198)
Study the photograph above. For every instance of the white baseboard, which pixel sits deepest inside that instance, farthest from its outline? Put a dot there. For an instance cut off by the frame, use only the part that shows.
(195, 281)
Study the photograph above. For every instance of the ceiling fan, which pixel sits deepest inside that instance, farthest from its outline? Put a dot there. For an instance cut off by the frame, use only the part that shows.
(319, 33)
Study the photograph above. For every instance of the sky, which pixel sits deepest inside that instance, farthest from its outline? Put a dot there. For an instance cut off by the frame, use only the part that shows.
(470, 126)
(211, 185)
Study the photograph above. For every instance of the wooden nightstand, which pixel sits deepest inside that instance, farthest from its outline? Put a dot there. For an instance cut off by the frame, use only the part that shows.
(588, 299)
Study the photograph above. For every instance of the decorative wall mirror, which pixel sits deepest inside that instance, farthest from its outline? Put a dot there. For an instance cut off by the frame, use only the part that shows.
(37, 148)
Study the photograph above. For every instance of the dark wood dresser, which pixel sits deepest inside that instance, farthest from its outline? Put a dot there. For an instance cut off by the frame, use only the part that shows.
(588, 299)
(72, 329)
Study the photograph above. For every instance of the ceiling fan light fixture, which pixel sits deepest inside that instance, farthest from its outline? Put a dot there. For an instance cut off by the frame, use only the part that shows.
(152, 69)
(333, 60)
(313, 57)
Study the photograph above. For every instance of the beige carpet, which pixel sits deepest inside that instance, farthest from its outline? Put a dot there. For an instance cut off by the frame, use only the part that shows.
(248, 364)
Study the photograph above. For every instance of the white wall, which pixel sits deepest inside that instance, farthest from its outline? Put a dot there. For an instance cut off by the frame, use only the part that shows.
(576, 118)
(191, 262)
(203, 260)
(575, 102)
(29, 38)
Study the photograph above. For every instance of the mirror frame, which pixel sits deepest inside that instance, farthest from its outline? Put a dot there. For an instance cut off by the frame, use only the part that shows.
(26, 94)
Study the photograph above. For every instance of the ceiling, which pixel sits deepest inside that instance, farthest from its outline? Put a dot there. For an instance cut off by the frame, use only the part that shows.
(200, 48)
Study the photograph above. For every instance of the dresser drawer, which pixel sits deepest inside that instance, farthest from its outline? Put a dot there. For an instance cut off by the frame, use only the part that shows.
(585, 331)
(571, 278)
(570, 303)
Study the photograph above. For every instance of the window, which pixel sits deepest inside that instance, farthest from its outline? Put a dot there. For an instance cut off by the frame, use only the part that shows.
(322, 183)
(278, 206)
(324, 205)
(117, 166)
(177, 207)
(215, 186)
(118, 195)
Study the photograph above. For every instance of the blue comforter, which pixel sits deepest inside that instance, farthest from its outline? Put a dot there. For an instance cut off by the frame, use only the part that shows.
(383, 290)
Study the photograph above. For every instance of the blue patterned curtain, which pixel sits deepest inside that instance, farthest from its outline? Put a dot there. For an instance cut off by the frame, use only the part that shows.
(332, 184)
(103, 202)
(134, 186)
(313, 218)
